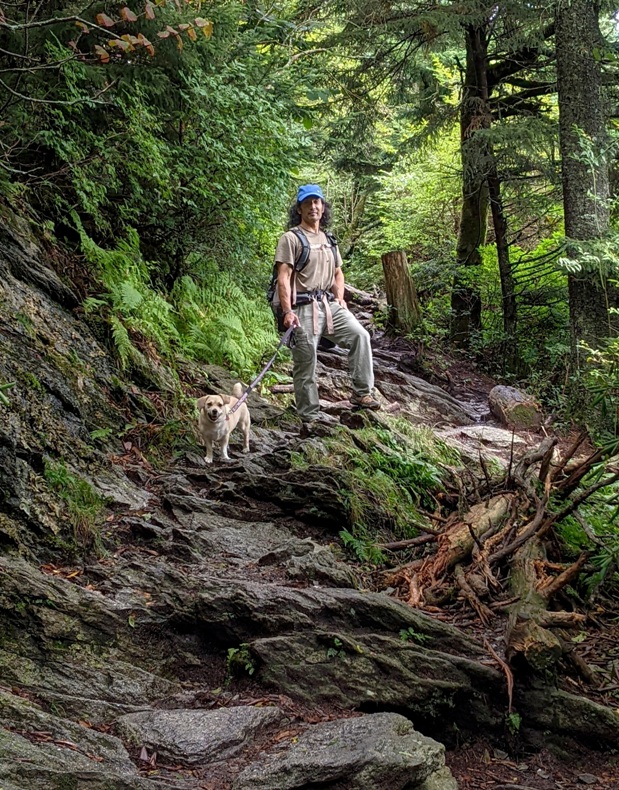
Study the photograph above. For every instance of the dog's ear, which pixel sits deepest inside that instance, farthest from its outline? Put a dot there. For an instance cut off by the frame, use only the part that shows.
(225, 398)
(201, 402)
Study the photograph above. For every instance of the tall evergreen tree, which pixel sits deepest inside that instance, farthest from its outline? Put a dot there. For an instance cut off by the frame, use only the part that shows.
(583, 139)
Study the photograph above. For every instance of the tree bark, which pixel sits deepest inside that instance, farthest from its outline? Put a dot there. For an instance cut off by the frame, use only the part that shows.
(474, 116)
(584, 164)
(508, 290)
(404, 311)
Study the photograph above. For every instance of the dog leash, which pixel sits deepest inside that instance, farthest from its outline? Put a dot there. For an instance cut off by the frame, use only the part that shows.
(285, 339)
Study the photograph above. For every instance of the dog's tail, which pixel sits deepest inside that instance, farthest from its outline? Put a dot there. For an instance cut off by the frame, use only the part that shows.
(237, 390)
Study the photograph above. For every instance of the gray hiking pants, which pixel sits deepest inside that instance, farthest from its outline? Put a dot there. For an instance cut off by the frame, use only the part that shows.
(347, 333)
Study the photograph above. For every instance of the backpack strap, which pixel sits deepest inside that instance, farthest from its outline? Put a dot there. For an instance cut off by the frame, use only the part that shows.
(303, 256)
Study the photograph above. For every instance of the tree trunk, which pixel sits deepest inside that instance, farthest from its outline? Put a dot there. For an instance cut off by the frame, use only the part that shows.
(401, 293)
(474, 116)
(584, 163)
(508, 290)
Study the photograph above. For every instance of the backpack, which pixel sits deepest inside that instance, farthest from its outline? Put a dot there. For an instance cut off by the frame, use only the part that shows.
(299, 264)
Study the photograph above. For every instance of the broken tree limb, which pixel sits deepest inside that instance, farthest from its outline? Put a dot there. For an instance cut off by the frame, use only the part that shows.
(483, 612)
(456, 544)
(509, 675)
(569, 454)
(406, 544)
(525, 534)
(552, 586)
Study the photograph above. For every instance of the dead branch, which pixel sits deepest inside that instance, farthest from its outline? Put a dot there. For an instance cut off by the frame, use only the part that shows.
(572, 482)
(552, 586)
(587, 528)
(405, 544)
(483, 612)
(562, 619)
(569, 454)
(575, 503)
(586, 672)
(530, 530)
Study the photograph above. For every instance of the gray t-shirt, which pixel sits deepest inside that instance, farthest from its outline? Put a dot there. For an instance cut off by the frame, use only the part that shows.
(319, 271)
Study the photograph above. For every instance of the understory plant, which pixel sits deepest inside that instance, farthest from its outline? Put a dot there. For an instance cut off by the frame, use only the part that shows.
(385, 480)
(83, 505)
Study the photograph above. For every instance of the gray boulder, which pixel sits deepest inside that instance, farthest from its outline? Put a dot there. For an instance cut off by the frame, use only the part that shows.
(197, 736)
(376, 752)
(515, 408)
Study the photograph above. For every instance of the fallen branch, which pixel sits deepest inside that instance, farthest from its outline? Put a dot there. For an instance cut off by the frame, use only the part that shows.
(552, 586)
(484, 613)
(405, 544)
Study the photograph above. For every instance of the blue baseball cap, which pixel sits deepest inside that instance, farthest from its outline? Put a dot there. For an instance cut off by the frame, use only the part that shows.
(309, 190)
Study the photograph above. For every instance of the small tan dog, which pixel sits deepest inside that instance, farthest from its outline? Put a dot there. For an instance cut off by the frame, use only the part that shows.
(216, 423)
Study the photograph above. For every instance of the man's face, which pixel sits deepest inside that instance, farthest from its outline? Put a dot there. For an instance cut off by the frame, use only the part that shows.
(311, 210)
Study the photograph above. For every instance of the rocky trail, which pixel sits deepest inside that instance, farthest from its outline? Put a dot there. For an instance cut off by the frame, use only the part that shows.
(217, 635)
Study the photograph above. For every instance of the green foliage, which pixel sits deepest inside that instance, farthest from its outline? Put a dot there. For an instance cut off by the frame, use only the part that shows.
(601, 514)
(4, 388)
(363, 546)
(239, 661)
(411, 635)
(382, 484)
(514, 722)
(602, 380)
(84, 506)
(336, 651)
(220, 324)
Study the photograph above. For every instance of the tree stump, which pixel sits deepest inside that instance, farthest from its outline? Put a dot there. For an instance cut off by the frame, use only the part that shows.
(404, 313)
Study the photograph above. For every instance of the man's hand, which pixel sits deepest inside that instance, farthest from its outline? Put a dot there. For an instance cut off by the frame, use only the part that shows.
(291, 319)
(342, 303)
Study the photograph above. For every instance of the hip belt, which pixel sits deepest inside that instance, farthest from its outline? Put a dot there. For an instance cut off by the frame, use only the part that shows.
(305, 297)
(313, 297)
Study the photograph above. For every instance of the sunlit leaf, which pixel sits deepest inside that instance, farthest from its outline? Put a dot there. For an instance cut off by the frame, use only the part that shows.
(192, 34)
(207, 29)
(83, 27)
(146, 44)
(105, 21)
(164, 34)
(104, 55)
(149, 10)
(127, 14)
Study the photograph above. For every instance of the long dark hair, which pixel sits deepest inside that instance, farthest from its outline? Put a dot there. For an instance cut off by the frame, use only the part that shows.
(294, 216)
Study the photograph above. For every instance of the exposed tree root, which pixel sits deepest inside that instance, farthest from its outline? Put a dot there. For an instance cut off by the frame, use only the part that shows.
(494, 555)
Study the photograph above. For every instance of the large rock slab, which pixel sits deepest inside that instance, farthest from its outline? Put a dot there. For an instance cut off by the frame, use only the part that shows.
(375, 671)
(306, 559)
(197, 736)
(367, 753)
(47, 766)
(41, 750)
(237, 610)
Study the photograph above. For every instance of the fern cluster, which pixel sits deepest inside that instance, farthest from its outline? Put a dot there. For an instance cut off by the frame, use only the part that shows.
(214, 321)
(221, 324)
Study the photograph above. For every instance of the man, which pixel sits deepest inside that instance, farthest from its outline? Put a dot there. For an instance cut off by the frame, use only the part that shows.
(312, 300)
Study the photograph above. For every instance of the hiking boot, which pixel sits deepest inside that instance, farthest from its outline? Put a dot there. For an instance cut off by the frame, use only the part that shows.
(321, 426)
(364, 402)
